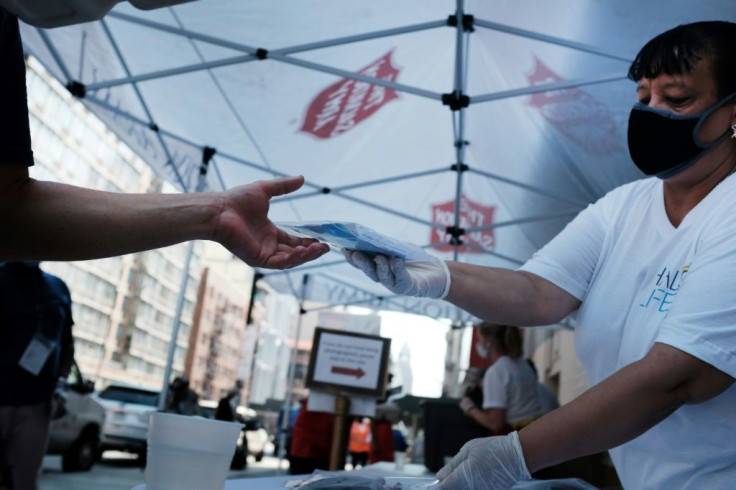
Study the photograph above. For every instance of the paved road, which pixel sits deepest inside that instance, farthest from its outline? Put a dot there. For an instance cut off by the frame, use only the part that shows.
(120, 471)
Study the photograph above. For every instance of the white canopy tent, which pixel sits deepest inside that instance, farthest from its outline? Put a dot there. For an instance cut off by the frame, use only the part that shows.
(492, 132)
(475, 128)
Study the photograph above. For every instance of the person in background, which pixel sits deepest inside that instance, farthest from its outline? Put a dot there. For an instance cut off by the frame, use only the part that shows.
(225, 410)
(400, 444)
(648, 272)
(292, 414)
(311, 441)
(510, 394)
(53, 221)
(181, 399)
(361, 438)
(36, 354)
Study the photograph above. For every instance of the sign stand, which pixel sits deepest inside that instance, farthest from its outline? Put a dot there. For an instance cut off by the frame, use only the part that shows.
(347, 364)
(337, 451)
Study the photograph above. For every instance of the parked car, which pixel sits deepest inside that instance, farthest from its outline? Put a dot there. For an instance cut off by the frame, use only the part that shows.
(254, 437)
(128, 409)
(76, 435)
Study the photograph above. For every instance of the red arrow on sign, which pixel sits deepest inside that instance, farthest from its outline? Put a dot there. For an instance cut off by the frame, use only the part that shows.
(358, 373)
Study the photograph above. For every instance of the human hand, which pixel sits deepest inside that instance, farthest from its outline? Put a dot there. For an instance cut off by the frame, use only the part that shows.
(244, 228)
(489, 463)
(429, 279)
(466, 404)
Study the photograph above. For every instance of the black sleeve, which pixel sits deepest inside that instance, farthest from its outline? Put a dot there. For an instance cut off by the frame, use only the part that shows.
(67, 346)
(15, 134)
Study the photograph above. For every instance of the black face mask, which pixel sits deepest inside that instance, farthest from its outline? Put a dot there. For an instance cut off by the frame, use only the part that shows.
(662, 143)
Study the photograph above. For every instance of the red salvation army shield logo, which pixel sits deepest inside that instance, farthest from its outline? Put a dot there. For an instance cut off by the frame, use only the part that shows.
(582, 118)
(472, 215)
(344, 104)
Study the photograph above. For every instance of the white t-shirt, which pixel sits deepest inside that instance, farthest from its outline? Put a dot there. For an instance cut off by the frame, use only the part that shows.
(511, 384)
(642, 281)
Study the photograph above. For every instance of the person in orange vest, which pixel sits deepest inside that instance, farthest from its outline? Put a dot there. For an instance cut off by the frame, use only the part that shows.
(360, 441)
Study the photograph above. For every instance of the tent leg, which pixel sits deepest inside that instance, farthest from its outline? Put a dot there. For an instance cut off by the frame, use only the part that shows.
(337, 450)
(201, 185)
(292, 373)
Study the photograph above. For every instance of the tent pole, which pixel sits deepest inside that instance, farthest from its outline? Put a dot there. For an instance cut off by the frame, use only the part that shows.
(142, 101)
(55, 54)
(549, 87)
(201, 185)
(181, 70)
(458, 114)
(294, 355)
(459, 86)
(180, 31)
(549, 39)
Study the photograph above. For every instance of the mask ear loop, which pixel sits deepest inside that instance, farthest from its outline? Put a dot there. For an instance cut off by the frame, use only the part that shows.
(705, 115)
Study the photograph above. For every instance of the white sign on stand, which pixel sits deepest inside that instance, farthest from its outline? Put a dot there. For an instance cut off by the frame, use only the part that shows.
(348, 362)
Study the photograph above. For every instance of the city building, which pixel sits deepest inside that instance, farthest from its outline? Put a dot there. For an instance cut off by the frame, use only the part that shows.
(241, 277)
(274, 316)
(216, 337)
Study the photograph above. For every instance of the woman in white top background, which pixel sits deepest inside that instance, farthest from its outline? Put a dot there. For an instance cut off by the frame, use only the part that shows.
(510, 396)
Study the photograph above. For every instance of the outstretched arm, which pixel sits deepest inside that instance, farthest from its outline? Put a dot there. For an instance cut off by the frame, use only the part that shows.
(493, 419)
(631, 400)
(50, 221)
(497, 295)
(635, 399)
(508, 297)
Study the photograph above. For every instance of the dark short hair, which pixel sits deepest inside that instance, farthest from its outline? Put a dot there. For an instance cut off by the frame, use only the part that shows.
(676, 51)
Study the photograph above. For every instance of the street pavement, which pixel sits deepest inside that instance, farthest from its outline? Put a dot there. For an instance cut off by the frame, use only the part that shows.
(120, 471)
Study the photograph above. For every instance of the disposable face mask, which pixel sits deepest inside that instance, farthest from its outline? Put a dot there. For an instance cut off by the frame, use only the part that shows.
(662, 143)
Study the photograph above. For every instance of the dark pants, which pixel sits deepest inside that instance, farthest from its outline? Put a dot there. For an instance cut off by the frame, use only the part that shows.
(24, 432)
(359, 459)
(306, 466)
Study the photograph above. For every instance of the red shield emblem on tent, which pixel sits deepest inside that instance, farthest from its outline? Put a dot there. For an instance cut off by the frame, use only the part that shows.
(344, 104)
(472, 215)
(582, 118)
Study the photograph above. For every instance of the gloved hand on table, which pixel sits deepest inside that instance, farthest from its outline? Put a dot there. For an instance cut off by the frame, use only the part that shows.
(488, 463)
(429, 279)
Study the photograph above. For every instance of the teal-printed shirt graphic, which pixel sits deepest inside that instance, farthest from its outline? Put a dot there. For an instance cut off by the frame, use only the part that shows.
(666, 284)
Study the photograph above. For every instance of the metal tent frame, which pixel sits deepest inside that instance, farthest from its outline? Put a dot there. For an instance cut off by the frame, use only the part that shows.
(456, 100)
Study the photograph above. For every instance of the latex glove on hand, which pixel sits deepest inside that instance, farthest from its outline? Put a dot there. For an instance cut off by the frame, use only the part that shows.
(427, 279)
(489, 463)
(467, 404)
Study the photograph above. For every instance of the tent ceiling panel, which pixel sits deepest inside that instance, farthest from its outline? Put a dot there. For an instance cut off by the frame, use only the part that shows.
(280, 24)
(350, 94)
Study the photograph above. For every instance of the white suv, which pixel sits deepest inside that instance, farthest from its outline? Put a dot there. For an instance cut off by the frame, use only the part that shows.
(76, 435)
(128, 410)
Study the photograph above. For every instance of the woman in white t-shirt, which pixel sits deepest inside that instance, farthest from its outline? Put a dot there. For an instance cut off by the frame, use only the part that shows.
(510, 396)
(648, 273)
